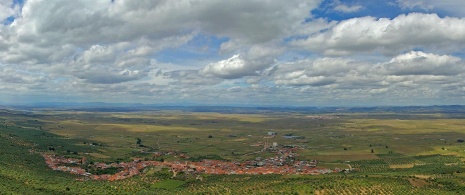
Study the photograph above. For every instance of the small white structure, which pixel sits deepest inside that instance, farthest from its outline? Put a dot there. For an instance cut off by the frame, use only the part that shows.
(275, 144)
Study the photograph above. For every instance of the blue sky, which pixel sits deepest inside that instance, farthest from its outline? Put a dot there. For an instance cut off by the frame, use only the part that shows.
(250, 52)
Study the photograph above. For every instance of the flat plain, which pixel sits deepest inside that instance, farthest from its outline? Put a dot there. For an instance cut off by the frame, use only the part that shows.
(374, 152)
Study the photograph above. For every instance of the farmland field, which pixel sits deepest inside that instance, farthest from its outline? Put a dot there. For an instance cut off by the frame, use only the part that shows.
(365, 153)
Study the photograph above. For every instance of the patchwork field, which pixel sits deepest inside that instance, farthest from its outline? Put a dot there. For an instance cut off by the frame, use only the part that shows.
(382, 153)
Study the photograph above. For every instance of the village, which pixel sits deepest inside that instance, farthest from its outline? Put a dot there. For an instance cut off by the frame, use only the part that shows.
(283, 163)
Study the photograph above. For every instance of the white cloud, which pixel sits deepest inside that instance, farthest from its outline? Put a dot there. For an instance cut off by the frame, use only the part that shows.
(415, 71)
(452, 7)
(124, 20)
(345, 7)
(414, 4)
(420, 63)
(190, 78)
(251, 62)
(9, 75)
(229, 68)
(315, 72)
(348, 9)
(389, 36)
(112, 42)
(272, 52)
(103, 76)
(110, 64)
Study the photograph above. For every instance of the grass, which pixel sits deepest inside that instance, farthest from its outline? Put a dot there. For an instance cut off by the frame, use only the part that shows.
(98, 155)
(168, 184)
(334, 165)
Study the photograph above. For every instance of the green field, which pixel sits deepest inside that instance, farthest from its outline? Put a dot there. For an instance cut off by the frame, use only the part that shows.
(386, 153)
(168, 184)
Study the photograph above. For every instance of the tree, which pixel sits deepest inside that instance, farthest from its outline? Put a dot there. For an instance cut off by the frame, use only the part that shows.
(139, 141)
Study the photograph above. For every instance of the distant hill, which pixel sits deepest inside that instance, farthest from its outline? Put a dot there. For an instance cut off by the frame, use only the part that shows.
(129, 107)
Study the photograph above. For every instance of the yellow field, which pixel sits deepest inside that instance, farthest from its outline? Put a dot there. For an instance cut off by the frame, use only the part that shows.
(141, 128)
(408, 126)
(403, 166)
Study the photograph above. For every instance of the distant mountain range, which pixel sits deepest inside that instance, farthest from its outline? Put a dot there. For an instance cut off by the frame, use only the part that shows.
(132, 107)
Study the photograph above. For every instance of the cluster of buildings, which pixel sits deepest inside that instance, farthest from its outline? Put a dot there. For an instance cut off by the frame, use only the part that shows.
(58, 163)
(283, 163)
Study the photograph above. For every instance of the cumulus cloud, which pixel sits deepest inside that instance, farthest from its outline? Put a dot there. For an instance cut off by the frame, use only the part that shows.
(229, 68)
(420, 63)
(114, 41)
(110, 64)
(389, 36)
(315, 72)
(411, 70)
(123, 20)
(248, 63)
(275, 52)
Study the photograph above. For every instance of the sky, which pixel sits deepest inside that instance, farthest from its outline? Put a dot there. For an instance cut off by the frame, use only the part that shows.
(241, 52)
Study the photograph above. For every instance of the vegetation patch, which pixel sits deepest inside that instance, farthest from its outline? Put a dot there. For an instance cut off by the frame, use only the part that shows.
(418, 182)
(98, 155)
(168, 184)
